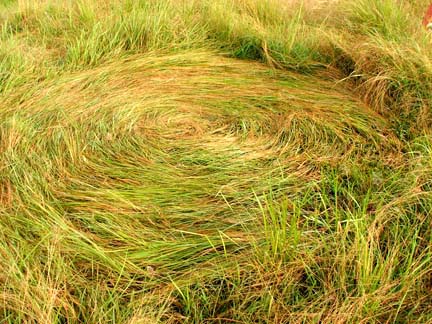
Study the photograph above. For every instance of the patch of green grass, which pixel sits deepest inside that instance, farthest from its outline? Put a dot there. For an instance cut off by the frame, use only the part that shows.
(214, 162)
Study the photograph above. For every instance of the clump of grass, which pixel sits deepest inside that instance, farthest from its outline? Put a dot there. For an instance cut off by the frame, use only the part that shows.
(389, 59)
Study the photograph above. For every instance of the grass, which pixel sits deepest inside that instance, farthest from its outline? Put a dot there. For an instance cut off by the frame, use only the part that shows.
(215, 162)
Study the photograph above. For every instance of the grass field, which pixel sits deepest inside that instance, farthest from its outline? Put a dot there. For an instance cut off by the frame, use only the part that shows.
(215, 161)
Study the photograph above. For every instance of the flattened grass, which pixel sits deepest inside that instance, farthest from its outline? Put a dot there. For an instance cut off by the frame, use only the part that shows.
(147, 174)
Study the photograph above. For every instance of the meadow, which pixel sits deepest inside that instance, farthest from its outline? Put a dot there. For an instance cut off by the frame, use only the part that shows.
(215, 161)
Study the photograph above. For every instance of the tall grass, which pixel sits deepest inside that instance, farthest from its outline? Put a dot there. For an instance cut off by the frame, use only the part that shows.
(377, 44)
(215, 162)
